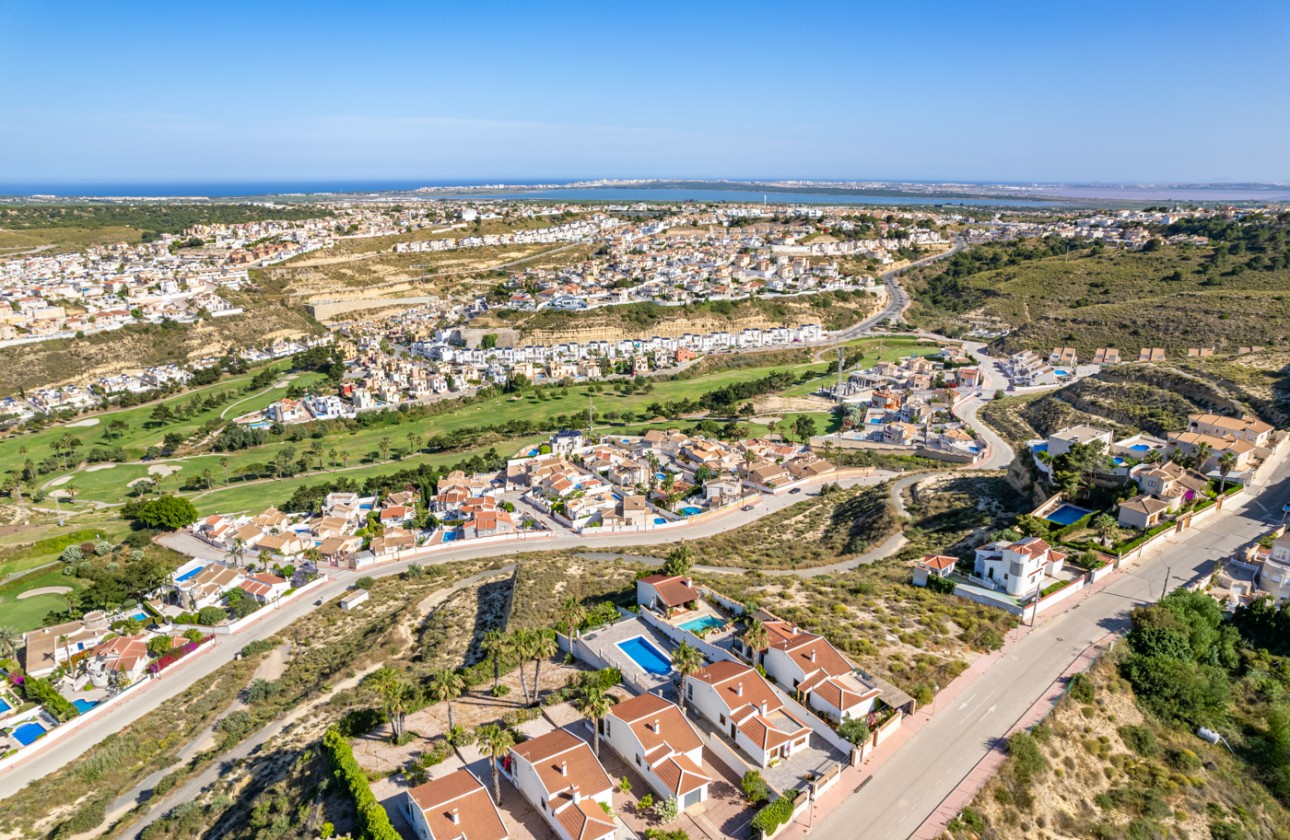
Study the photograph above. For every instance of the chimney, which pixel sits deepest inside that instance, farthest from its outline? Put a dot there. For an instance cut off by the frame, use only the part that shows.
(765, 708)
(574, 794)
(455, 816)
(739, 689)
(656, 726)
(812, 654)
(564, 768)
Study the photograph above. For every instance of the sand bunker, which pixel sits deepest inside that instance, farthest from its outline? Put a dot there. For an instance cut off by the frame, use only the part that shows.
(163, 470)
(59, 482)
(45, 590)
(88, 421)
(98, 467)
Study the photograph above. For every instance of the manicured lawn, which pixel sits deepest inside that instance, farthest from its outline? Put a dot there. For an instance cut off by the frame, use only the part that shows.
(863, 353)
(29, 613)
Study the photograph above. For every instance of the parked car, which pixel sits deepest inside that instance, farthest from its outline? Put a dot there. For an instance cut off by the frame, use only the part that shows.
(795, 490)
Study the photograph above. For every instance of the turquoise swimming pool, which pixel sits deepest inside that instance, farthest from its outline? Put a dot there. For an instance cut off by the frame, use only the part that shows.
(82, 705)
(706, 622)
(28, 732)
(651, 659)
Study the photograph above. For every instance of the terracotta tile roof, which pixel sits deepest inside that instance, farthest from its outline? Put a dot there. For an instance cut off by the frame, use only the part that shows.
(939, 562)
(656, 722)
(680, 775)
(673, 589)
(464, 797)
(562, 760)
(584, 819)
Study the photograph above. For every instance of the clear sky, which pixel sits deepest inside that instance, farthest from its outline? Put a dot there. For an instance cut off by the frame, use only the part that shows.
(1014, 91)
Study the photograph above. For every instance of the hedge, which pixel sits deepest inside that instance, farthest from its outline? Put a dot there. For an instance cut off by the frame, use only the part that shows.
(373, 822)
(770, 818)
(44, 693)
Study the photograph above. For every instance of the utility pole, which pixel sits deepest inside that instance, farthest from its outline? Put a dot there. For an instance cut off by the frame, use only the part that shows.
(1164, 588)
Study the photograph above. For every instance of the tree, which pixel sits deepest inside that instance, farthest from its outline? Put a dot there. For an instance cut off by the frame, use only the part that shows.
(494, 742)
(1226, 463)
(208, 478)
(679, 561)
(544, 647)
(10, 639)
(686, 659)
(331, 453)
(855, 730)
(159, 645)
(496, 644)
(1105, 526)
(755, 638)
(236, 551)
(572, 615)
(521, 645)
(447, 685)
(804, 427)
(1203, 453)
(396, 694)
(595, 705)
(385, 448)
(223, 465)
(169, 512)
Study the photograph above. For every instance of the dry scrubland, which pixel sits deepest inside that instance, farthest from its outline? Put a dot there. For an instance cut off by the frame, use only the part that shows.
(1103, 770)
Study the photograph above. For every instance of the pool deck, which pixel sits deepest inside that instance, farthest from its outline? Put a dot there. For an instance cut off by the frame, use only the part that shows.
(604, 643)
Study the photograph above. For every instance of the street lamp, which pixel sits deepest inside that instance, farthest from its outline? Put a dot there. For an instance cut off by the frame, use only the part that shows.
(936, 693)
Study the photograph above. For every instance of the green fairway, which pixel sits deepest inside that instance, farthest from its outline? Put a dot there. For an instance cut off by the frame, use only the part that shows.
(29, 613)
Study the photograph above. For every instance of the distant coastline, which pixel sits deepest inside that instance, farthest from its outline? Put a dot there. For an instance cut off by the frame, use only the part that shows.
(773, 191)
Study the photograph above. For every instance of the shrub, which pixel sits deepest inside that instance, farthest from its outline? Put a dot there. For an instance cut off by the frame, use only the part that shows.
(500, 690)
(855, 730)
(1140, 739)
(373, 822)
(358, 722)
(260, 690)
(168, 512)
(257, 647)
(44, 693)
(210, 616)
(365, 582)
(667, 810)
(755, 787)
(1027, 760)
(773, 816)
(1081, 688)
(1227, 831)
(88, 817)
(236, 725)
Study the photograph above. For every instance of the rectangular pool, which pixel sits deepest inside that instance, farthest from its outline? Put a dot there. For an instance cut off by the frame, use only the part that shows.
(191, 573)
(140, 616)
(706, 622)
(1068, 514)
(4, 706)
(643, 653)
(28, 732)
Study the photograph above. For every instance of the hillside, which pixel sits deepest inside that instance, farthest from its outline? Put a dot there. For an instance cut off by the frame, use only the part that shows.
(1173, 297)
(833, 310)
(1118, 757)
(268, 316)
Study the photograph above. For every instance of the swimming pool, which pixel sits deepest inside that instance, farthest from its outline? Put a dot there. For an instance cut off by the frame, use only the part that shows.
(1068, 514)
(658, 520)
(449, 536)
(140, 616)
(698, 625)
(82, 705)
(28, 732)
(691, 510)
(191, 573)
(651, 659)
(1061, 372)
(4, 706)
(1139, 447)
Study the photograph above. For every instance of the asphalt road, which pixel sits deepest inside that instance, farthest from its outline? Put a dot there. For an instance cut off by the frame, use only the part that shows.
(911, 784)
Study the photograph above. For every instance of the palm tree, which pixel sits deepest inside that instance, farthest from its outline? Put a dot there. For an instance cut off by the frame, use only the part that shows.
(686, 659)
(1226, 463)
(1203, 451)
(66, 642)
(385, 448)
(521, 644)
(447, 685)
(223, 465)
(494, 741)
(344, 458)
(331, 453)
(1105, 527)
(544, 647)
(755, 638)
(237, 551)
(208, 477)
(596, 704)
(571, 616)
(496, 644)
(396, 695)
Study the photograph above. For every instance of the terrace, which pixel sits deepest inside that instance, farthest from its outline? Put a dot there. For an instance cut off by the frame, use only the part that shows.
(642, 654)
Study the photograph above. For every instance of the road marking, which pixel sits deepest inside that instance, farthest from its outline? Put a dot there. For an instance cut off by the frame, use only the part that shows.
(989, 711)
(966, 702)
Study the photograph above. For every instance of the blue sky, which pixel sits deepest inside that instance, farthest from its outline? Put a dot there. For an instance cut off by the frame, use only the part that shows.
(1095, 91)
